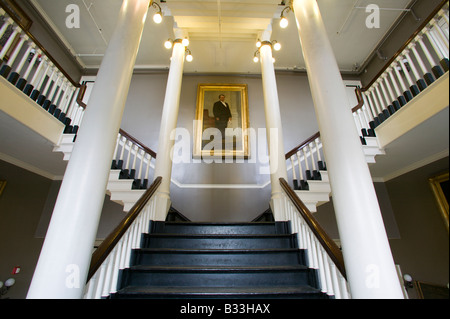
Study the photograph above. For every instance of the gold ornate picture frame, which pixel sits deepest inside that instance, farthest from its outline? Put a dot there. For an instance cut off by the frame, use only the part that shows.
(229, 139)
(439, 185)
(2, 186)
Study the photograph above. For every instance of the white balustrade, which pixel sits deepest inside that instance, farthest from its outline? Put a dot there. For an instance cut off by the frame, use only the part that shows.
(34, 73)
(402, 81)
(306, 163)
(104, 281)
(134, 160)
(331, 280)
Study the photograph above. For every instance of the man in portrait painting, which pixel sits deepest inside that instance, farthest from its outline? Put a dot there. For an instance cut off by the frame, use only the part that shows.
(222, 114)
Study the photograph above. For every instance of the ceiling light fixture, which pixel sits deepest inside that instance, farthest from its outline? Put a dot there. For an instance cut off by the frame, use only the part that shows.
(274, 44)
(157, 17)
(185, 42)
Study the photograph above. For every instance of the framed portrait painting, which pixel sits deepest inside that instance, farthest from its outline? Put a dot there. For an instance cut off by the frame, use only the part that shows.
(2, 186)
(221, 121)
(439, 185)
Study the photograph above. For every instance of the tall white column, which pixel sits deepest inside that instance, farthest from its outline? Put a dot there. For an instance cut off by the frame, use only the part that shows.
(368, 259)
(163, 166)
(273, 126)
(63, 265)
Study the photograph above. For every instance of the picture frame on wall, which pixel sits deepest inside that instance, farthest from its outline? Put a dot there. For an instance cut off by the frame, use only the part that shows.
(439, 185)
(2, 186)
(221, 121)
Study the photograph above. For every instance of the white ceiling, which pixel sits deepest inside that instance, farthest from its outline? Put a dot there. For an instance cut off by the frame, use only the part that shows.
(223, 33)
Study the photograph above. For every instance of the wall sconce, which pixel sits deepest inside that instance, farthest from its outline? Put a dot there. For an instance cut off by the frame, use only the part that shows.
(168, 44)
(276, 45)
(408, 281)
(157, 17)
(4, 287)
(256, 57)
(284, 22)
(189, 56)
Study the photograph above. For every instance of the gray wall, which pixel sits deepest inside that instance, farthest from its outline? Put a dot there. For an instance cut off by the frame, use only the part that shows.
(21, 206)
(142, 120)
(423, 246)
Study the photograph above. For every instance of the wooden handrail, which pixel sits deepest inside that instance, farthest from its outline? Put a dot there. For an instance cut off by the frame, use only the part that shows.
(328, 244)
(411, 38)
(80, 95)
(102, 252)
(299, 147)
(138, 143)
(41, 47)
(360, 100)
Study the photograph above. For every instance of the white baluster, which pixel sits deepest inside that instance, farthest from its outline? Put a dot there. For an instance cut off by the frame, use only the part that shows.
(9, 42)
(90, 289)
(32, 63)
(435, 44)
(305, 158)
(412, 65)
(399, 77)
(109, 270)
(426, 52)
(37, 79)
(300, 168)
(380, 96)
(334, 276)
(394, 82)
(141, 175)
(419, 60)
(8, 22)
(374, 101)
(24, 59)
(294, 174)
(373, 113)
(317, 142)
(100, 281)
(401, 61)
(12, 58)
(321, 266)
(327, 272)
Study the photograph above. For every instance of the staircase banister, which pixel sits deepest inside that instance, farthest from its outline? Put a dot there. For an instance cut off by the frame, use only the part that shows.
(102, 252)
(138, 143)
(299, 147)
(360, 99)
(410, 39)
(328, 244)
(41, 47)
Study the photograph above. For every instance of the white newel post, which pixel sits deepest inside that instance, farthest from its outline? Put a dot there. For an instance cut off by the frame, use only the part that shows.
(63, 265)
(163, 166)
(368, 258)
(274, 127)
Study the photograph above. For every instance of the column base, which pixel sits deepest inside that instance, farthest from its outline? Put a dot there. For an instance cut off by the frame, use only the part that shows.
(278, 207)
(163, 204)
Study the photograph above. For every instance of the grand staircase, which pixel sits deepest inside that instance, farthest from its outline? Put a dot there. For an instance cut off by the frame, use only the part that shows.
(187, 260)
